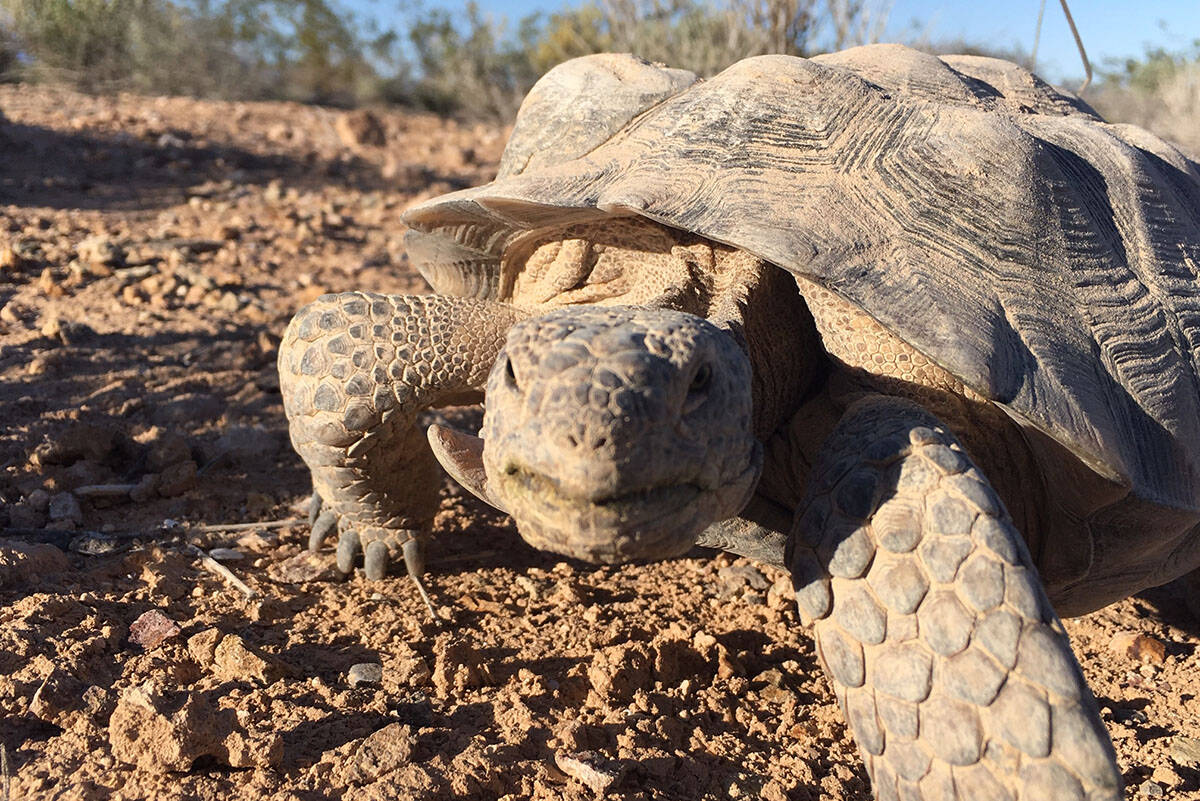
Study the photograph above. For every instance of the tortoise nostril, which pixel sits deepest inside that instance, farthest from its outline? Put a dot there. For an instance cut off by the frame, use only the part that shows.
(701, 380)
(600, 443)
(572, 441)
(509, 373)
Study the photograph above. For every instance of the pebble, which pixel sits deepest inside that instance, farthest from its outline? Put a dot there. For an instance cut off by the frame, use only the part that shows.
(226, 554)
(1185, 750)
(381, 753)
(151, 629)
(65, 509)
(1151, 790)
(100, 250)
(302, 568)
(734, 577)
(1139, 647)
(590, 768)
(365, 673)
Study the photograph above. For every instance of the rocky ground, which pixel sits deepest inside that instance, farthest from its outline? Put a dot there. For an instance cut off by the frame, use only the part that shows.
(151, 252)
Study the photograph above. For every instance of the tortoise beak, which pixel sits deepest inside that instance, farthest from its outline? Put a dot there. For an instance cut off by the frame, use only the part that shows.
(461, 454)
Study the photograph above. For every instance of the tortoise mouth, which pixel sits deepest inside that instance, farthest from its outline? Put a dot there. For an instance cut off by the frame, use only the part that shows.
(648, 523)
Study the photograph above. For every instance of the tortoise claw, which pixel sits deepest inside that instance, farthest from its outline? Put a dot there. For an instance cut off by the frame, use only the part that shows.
(314, 508)
(347, 551)
(375, 560)
(321, 527)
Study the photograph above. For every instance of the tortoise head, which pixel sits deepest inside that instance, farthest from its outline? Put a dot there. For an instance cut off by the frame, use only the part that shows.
(613, 433)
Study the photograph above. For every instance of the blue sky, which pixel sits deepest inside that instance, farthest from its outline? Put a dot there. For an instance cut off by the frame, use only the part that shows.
(1110, 28)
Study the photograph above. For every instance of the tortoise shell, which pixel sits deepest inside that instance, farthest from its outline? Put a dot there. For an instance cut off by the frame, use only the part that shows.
(1046, 258)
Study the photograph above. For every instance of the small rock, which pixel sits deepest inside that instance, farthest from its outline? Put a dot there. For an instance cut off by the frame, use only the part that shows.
(58, 699)
(1151, 790)
(590, 768)
(734, 577)
(302, 568)
(23, 515)
(1165, 776)
(226, 554)
(1137, 646)
(203, 646)
(381, 753)
(24, 563)
(67, 333)
(100, 250)
(458, 666)
(151, 629)
(233, 660)
(616, 673)
(1185, 750)
(98, 702)
(39, 500)
(410, 669)
(365, 673)
(65, 510)
(177, 479)
(160, 734)
(360, 128)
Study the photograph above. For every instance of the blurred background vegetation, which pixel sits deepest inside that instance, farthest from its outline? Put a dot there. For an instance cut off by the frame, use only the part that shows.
(474, 65)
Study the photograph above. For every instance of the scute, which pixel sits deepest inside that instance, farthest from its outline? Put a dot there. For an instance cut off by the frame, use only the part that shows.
(1047, 259)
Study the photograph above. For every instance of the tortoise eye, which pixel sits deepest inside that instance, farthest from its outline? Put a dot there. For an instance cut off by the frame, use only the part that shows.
(701, 380)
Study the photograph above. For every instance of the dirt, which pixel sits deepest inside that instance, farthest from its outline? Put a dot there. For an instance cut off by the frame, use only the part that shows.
(151, 252)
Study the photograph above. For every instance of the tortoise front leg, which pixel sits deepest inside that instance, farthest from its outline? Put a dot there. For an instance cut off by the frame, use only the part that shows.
(356, 370)
(954, 672)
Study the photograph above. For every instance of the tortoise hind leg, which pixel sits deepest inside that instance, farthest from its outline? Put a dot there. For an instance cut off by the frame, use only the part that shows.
(954, 673)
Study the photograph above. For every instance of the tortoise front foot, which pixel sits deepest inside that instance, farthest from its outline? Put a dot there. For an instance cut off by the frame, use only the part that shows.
(380, 547)
(953, 670)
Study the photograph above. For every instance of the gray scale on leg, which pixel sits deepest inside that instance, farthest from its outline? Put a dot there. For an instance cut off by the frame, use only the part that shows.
(952, 729)
(1043, 658)
(899, 583)
(996, 536)
(977, 782)
(982, 584)
(972, 676)
(897, 525)
(856, 611)
(1021, 715)
(982, 497)
(948, 514)
(847, 549)
(945, 623)
(1079, 741)
(900, 718)
(1043, 780)
(909, 759)
(843, 656)
(904, 670)
(943, 555)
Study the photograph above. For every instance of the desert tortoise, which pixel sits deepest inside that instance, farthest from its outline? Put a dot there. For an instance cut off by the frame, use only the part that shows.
(995, 332)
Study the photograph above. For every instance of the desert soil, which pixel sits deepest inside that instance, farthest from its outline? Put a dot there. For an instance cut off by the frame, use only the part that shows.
(151, 253)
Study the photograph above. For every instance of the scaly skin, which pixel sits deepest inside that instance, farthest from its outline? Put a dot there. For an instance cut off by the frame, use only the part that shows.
(955, 674)
(356, 370)
(615, 433)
